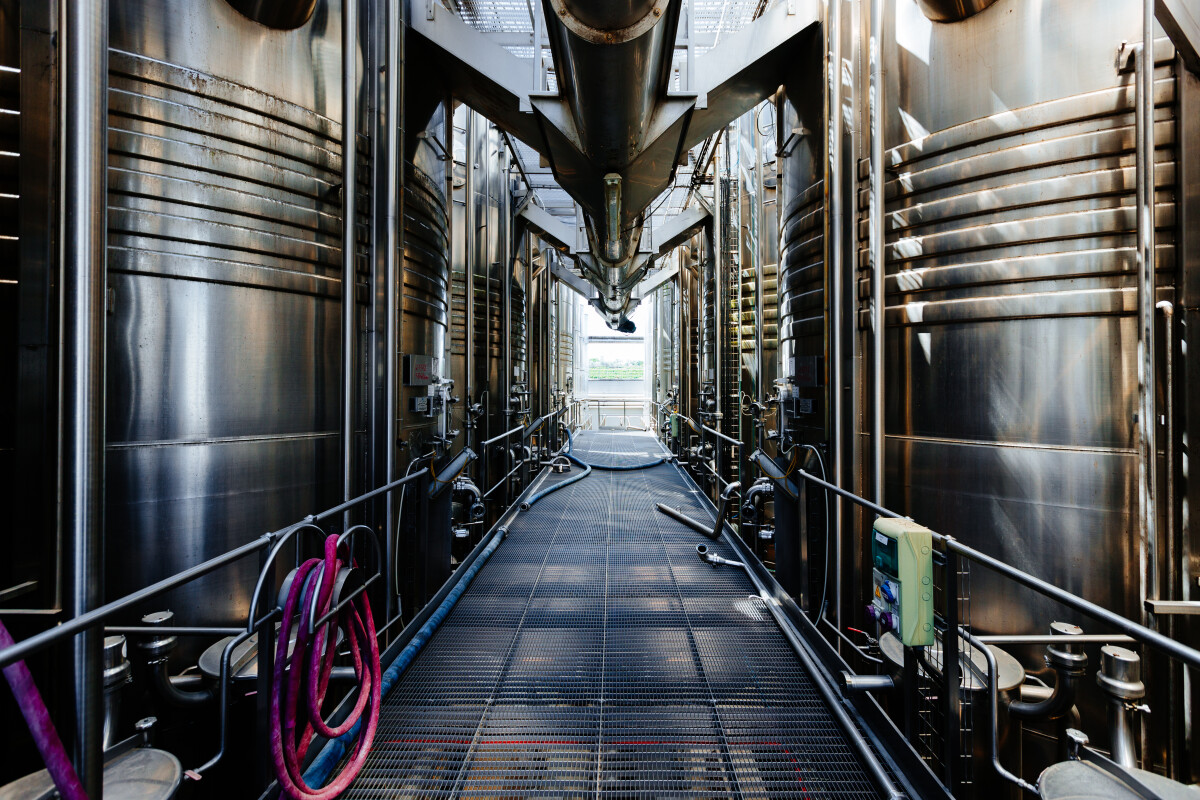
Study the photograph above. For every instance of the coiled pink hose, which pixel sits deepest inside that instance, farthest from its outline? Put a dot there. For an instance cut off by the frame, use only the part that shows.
(38, 719)
(298, 693)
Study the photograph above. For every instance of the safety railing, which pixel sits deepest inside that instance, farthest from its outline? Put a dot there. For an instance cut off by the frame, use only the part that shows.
(624, 413)
(952, 562)
(270, 547)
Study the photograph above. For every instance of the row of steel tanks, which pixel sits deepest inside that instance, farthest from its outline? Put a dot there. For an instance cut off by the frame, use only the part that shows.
(231, 386)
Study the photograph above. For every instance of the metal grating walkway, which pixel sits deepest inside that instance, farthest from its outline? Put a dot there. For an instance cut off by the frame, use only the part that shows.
(595, 655)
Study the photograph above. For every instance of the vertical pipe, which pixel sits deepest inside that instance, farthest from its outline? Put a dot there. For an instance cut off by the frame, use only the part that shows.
(833, 233)
(1147, 384)
(84, 141)
(1147, 417)
(507, 259)
(469, 257)
(1175, 750)
(760, 394)
(876, 246)
(394, 168)
(349, 248)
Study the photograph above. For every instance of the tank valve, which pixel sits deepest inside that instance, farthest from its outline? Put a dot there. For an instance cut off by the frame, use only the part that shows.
(1120, 677)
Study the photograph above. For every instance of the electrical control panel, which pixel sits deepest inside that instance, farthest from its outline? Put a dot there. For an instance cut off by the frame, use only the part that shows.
(902, 580)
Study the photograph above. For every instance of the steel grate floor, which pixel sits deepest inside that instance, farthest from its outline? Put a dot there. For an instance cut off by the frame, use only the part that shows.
(595, 655)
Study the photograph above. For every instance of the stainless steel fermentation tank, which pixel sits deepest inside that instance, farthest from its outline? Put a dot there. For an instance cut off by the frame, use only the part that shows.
(1010, 377)
(1010, 343)
(488, 345)
(225, 357)
(225, 290)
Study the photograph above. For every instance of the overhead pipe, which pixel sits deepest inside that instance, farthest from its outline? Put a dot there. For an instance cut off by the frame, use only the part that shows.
(84, 147)
(613, 62)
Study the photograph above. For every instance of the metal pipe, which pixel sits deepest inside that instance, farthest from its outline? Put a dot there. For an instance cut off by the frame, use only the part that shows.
(994, 707)
(1041, 638)
(178, 692)
(26, 647)
(1175, 703)
(1066, 657)
(84, 147)
(715, 560)
(695, 525)
(469, 257)
(867, 683)
(451, 471)
(833, 189)
(392, 243)
(723, 437)
(349, 240)
(1140, 633)
(1147, 416)
(142, 630)
(769, 468)
(504, 435)
(876, 245)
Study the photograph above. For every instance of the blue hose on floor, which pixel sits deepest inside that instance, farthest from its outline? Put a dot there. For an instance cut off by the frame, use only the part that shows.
(587, 470)
(323, 765)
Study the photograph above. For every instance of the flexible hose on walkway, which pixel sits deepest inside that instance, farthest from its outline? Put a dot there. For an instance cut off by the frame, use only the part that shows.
(587, 470)
(298, 693)
(335, 750)
(29, 700)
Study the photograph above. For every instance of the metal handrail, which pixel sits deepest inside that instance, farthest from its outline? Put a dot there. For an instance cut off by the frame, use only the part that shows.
(1153, 639)
(38, 642)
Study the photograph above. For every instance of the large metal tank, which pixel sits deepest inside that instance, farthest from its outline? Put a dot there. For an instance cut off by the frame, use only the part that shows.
(486, 370)
(1011, 343)
(224, 274)
(425, 305)
(1010, 369)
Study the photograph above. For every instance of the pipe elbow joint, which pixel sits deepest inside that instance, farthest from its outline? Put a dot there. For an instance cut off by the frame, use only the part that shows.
(177, 690)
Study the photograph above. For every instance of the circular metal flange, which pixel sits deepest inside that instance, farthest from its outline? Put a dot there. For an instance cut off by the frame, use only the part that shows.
(616, 36)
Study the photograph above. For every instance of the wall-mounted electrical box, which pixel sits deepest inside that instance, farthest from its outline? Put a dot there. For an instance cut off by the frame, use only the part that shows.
(902, 580)
(420, 370)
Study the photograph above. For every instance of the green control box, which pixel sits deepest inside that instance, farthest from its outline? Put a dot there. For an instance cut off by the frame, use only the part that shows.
(902, 580)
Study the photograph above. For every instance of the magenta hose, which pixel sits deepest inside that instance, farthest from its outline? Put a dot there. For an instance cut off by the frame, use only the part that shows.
(38, 720)
(298, 692)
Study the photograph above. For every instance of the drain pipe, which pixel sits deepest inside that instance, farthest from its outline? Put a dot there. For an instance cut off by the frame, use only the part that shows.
(714, 533)
(1069, 663)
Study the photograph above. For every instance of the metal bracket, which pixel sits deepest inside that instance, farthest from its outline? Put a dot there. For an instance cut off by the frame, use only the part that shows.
(1177, 607)
(442, 153)
(793, 139)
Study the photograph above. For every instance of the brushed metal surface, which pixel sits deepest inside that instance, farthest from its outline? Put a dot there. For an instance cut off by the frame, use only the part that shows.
(1011, 343)
(1011, 332)
(224, 291)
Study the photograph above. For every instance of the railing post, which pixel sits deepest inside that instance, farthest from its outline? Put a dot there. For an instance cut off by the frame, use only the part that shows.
(951, 682)
(263, 765)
